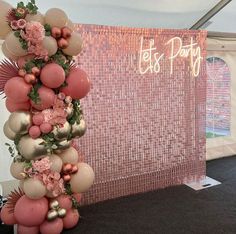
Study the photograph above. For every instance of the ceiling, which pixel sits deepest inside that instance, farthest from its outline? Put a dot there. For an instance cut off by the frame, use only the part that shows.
(144, 13)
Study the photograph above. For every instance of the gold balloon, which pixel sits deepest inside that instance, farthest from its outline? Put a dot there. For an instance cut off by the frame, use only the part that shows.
(4, 27)
(56, 17)
(14, 46)
(31, 148)
(75, 44)
(7, 53)
(20, 121)
(34, 188)
(8, 132)
(61, 133)
(50, 44)
(52, 214)
(56, 163)
(16, 169)
(79, 130)
(54, 204)
(83, 179)
(64, 144)
(61, 212)
(38, 17)
(69, 155)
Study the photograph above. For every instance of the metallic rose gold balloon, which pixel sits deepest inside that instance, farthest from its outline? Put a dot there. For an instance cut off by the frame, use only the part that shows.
(8, 132)
(20, 121)
(61, 133)
(79, 130)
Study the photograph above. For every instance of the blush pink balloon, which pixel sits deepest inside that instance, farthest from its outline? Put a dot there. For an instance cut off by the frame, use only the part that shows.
(17, 90)
(46, 96)
(7, 217)
(45, 128)
(52, 75)
(13, 106)
(30, 212)
(71, 219)
(78, 84)
(38, 119)
(24, 59)
(77, 196)
(52, 227)
(34, 132)
(64, 201)
(27, 230)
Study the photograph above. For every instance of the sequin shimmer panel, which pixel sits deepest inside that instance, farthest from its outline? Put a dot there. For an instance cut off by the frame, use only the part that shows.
(146, 110)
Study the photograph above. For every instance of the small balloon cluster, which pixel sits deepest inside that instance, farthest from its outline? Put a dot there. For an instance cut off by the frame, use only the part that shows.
(43, 86)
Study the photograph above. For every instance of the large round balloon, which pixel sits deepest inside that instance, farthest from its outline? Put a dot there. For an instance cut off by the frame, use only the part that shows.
(71, 219)
(7, 216)
(52, 227)
(4, 9)
(52, 75)
(50, 44)
(14, 46)
(70, 25)
(8, 132)
(47, 97)
(31, 148)
(29, 212)
(69, 155)
(17, 90)
(27, 230)
(78, 84)
(7, 53)
(56, 163)
(82, 180)
(20, 122)
(38, 17)
(16, 169)
(16, 106)
(75, 45)
(34, 188)
(56, 17)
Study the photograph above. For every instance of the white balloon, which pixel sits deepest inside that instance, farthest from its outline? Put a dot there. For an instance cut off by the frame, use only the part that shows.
(56, 163)
(34, 188)
(16, 169)
(8, 132)
(4, 27)
(69, 155)
(56, 17)
(70, 25)
(14, 46)
(7, 53)
(36, 17)
(75, 44)
(83, 179)
(50, 44)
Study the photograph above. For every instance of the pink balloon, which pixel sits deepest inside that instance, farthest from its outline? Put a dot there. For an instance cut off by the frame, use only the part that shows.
(52, 75)
(71, 219)
(13, 106)
(17, 90)
(27, 230)
(38, 119)
(78, 84)
(46, 96)
(52, 227)
(24, 59)
(64, 201)
(30, 212)
(45, 128)
(34, 132)
(7, 217)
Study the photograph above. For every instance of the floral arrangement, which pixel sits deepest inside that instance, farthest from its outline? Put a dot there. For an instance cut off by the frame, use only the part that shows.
(43, 85)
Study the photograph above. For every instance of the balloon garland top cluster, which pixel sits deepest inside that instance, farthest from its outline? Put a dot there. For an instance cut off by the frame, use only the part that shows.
(43, 86)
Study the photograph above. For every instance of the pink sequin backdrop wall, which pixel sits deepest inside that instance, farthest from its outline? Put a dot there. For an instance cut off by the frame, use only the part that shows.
(145, 131)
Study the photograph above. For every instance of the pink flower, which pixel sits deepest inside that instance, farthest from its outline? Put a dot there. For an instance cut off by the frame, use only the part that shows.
(14, 25)
(34, 32)
(68, 99)
(42, 165)
(21, 23)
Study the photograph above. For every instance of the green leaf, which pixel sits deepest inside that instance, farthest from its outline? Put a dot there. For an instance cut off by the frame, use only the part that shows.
(17, 33)
(33, 1)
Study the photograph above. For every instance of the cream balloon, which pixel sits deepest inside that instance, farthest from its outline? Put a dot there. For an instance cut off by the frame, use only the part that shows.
(34, 188)
(8, 132)
(56, 17)
(4, 27)
(70, 25)
(35, 17)
(61, 133)
(56, 163)
(16, 169)
(83, 179)
(21, 184)
(14, 46)
(79, 130)
(20, 121)
(50, 44)
(69, 155)
(75, 44)
(7, 53)
(31, 148)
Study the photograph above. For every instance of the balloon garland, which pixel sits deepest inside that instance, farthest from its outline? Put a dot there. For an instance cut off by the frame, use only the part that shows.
(43, 86)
